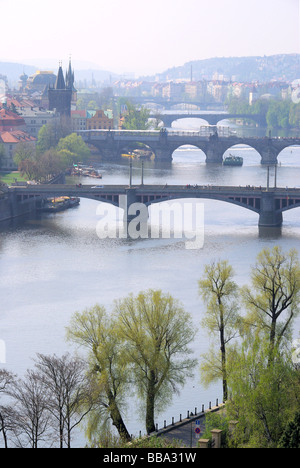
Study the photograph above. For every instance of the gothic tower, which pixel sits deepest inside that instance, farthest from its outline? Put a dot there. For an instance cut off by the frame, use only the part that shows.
(60, 95)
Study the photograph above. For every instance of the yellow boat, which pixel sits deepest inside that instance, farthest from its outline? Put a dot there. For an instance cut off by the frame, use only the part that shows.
(124, 155)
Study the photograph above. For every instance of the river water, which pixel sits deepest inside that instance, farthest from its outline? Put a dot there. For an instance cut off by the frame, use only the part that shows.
(52, 266)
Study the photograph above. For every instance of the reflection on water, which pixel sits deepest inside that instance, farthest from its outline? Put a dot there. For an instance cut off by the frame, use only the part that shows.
(53, 265)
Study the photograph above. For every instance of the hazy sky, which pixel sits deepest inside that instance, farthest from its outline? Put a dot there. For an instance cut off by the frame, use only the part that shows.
(145, 36)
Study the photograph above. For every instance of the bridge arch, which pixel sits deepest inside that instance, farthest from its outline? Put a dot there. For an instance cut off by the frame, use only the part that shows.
(250, 154)
(289, 156)
(242, 202)
(133, 146)
(188, 153)
(194, 123)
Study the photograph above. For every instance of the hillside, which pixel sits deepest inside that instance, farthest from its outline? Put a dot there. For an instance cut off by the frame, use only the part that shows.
(245, 69)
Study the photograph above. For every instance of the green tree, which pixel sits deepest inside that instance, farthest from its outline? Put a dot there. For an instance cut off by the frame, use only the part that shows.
(291, 435)
(136, 119)
(262, 394)
(157, 332)
(95, 331)
(76, 147)
(219, 292)
(272, 300)
(92, 105)
(272, 117)
(48, 137)
(294, 118)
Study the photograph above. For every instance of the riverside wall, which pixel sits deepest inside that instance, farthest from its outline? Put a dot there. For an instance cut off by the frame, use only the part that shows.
(10, 208)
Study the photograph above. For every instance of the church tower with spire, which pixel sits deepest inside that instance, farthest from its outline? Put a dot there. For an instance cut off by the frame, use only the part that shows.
(60, 95)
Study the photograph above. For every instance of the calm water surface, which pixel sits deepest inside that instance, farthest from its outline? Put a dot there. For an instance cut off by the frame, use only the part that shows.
(54, 266)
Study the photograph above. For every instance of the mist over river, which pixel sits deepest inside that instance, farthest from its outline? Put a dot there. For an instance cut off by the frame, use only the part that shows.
(54, 265)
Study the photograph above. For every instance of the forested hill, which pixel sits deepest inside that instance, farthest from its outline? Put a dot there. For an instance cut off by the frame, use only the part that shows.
(284, 67)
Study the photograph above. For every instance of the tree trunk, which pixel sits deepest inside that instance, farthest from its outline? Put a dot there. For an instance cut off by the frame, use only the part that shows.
(117, 419)
(150, 425)
(223, 352)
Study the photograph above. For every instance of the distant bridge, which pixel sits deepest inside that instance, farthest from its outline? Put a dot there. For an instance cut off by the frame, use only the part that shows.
(211, 118)
(112, 143)
(268, 203)
(169, 103)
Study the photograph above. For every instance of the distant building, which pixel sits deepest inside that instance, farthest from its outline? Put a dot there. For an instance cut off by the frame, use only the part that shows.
(79, 119)
(12, 133)
(99, 119)
(10, 121)
(38, 82)
(60, 95)
(35, 118)
(10, 141)
(172, 90)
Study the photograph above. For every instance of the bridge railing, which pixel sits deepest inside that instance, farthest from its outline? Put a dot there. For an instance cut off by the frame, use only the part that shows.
(206, 130)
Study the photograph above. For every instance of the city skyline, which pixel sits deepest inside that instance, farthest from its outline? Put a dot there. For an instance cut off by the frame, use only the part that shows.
(146, 38)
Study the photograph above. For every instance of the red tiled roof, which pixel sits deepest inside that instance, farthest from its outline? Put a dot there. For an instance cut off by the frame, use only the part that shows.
(16, 136)
(78, 113)
(10, 121)
(7, 114)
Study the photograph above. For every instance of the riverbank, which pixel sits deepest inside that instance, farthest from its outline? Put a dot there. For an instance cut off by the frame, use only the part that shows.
(10, 208)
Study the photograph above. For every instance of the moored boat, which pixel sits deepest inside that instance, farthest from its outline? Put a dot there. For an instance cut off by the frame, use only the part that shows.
(55, 205)
(233, 161)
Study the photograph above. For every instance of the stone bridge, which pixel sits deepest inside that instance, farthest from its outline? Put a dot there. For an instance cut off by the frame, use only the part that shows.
(268, 203)
(211, 119)
(112, 143)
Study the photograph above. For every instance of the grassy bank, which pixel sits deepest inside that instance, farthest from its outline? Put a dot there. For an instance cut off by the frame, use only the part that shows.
(10, 177)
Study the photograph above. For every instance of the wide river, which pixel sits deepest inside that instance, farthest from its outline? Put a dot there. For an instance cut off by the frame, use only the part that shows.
(56, 265)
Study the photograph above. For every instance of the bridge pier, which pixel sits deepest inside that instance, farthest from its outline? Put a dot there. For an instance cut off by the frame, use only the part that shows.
(163, 155)
(268, 215)
(136, 215)
(269, 158)
(215, 152)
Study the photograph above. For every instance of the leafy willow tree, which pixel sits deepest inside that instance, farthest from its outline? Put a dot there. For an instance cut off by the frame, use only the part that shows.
(263, 395)
(219, 292)
(157, 332)
(273, 298)
(95, 331)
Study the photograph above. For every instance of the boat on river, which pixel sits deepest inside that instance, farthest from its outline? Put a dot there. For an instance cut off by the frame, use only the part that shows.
(233, 161)
(55, 205)
(85, 171)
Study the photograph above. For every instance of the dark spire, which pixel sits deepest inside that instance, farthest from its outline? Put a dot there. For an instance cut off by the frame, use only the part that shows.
(60, 81)
(70, 77)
